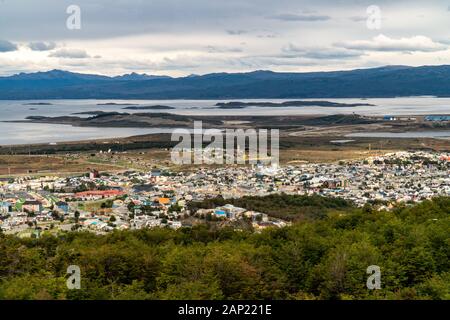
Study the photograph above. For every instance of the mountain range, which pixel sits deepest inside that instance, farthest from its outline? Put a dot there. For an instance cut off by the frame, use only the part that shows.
(389, 81)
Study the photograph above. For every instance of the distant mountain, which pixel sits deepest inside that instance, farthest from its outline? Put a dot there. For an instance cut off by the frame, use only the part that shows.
(136, 76)
(389, 81)
(54, 75)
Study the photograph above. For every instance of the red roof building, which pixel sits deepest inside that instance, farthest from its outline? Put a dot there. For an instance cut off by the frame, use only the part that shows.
(99, 194)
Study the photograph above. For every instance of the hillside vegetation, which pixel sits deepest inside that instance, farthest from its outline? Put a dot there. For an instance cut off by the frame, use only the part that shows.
(282, 206)
(313, 259)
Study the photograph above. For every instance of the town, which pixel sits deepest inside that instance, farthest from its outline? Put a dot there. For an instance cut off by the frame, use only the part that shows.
(101, 201)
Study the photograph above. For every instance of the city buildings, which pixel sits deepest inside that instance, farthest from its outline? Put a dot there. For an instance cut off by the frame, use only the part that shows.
(135, 200)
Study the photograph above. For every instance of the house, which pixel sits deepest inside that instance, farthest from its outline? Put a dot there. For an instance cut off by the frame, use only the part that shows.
(156, 173)
(32, 206)
(98, 194)
(93, 174)
(336, 184)
(155, 176)
(175, 224)
(220, 213)
(117, 203)
(5, 208)
(229, 211)
(62, 206)
(163, 201)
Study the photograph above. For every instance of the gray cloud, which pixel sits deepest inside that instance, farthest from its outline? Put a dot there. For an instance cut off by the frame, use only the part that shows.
(236, 32)
(116, 18)
(222, 49)
(358, 18)
(268, 34)
(321, 53)
(42, 46)
(299, 17)
(203, 35)
(265, 62)
(7, 46)
(387, 44)
(70, 54)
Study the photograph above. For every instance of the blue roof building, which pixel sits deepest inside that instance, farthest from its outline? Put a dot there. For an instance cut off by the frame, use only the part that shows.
(437, 118)
(5, 207)
(220, 213)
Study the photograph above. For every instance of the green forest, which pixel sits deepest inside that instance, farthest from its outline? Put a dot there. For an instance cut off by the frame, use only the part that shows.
(324, 258)
(282, 206)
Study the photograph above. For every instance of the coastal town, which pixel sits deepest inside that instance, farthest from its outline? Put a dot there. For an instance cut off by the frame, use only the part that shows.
(101, 202)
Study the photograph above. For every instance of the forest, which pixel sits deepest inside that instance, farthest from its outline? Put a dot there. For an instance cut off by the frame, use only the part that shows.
(313, 259)
(281, 206)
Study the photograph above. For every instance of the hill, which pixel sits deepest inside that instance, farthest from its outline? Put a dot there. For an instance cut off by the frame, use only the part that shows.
(390, 81)
(313, 259)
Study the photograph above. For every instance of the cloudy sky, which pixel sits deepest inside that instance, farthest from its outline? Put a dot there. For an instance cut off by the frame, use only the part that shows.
(182, 37)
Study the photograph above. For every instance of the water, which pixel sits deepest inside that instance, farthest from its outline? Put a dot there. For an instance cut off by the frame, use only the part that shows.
(23, 133)
(410, 135)
(27, 133)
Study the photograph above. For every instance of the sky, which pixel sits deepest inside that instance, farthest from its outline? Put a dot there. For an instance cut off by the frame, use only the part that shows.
(183, 37)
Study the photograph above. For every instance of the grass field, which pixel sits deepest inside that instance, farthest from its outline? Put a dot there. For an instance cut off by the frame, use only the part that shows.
(11, 165)
(293, 149)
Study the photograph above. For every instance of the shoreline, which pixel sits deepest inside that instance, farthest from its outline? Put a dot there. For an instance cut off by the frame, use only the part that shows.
(370, 131)
(230, 99)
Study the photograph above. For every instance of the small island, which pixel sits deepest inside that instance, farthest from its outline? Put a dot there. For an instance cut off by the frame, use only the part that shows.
(122, 120)
(115, 104)
(156, 107)
(98, 112)
(38, 104)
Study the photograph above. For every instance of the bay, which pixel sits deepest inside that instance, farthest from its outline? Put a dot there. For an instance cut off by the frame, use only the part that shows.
(24, 133)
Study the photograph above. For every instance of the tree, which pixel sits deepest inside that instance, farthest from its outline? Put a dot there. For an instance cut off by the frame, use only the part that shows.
(107, 204)
(175, 208)
(311, 259)
(77, 216)
(131, 206)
